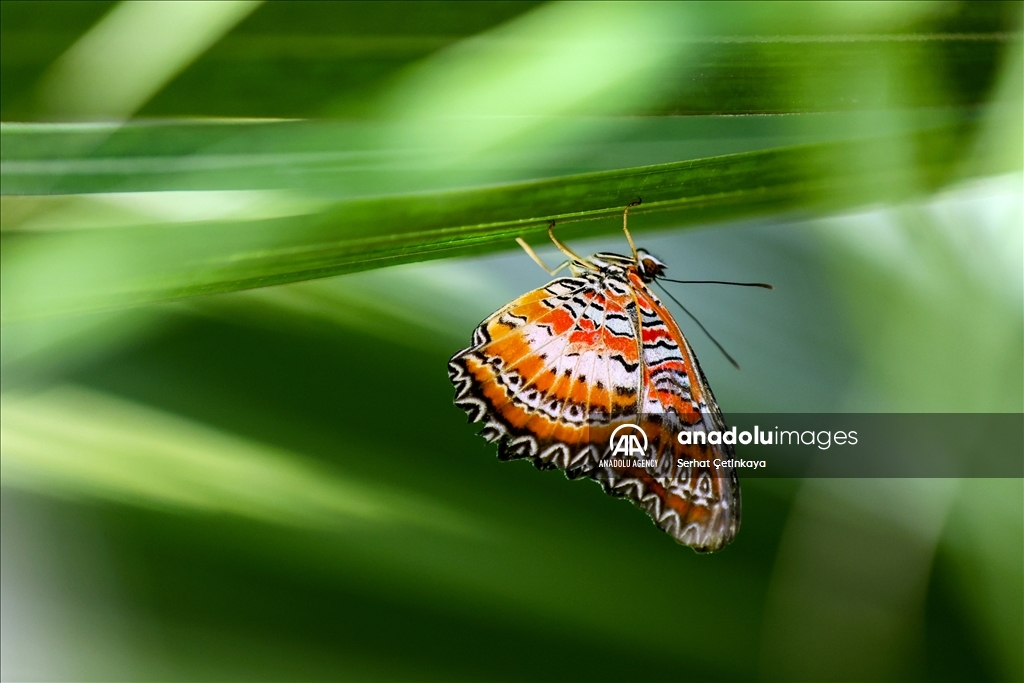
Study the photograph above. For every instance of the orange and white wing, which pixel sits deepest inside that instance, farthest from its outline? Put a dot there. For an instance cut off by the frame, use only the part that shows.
(553, 373)
(698, 504)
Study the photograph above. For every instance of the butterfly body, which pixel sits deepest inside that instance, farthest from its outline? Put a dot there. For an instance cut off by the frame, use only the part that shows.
(554, 373)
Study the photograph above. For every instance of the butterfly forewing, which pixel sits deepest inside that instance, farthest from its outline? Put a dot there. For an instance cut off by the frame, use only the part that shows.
(553, 373)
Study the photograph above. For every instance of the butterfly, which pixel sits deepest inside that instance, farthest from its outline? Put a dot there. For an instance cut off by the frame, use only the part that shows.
(556, 373)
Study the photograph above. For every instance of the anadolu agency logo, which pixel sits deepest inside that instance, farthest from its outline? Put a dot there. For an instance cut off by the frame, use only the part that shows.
(628, 446)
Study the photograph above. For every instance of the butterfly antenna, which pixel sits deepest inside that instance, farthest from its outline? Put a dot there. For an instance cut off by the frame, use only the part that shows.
(718, 282)
(700, 325)
(566, 250)
(625, 226)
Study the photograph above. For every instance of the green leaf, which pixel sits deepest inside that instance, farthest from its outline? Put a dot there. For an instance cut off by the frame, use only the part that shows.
(740, 58)
(74, 271)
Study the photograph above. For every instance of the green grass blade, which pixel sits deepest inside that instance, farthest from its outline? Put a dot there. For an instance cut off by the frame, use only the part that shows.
(63, 272)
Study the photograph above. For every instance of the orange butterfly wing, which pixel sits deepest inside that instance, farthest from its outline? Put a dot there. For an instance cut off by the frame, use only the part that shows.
(553, 373)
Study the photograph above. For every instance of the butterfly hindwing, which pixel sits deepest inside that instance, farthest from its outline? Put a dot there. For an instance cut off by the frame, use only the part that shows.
(548, 373)
(553, 373)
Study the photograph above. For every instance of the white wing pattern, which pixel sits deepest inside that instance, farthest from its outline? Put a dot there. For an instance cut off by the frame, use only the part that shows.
(553, 373)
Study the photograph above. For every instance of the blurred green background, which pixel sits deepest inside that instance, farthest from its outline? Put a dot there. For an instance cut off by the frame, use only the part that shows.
(207, 478)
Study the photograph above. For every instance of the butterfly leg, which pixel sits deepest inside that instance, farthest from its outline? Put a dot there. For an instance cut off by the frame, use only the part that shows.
(536, 259)
(625, 226)
(574, 258)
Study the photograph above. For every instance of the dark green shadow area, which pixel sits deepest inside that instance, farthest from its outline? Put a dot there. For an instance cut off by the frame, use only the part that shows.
(563, 583)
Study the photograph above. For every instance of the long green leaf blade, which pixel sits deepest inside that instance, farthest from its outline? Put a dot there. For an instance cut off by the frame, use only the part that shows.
(62, 272)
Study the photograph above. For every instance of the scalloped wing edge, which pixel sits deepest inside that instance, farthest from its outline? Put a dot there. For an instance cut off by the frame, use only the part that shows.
(708, 538)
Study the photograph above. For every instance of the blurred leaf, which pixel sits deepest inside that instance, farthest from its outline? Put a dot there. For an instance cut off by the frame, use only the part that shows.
(309, 59)
(84, 443)
(348, 159)
(986, 533)
(283, 60)
(146, 44)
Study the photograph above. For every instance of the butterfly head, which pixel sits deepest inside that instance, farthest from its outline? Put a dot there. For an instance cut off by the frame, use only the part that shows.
(647, 266)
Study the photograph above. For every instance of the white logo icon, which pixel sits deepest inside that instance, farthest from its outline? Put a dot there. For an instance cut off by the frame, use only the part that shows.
(628, 444)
